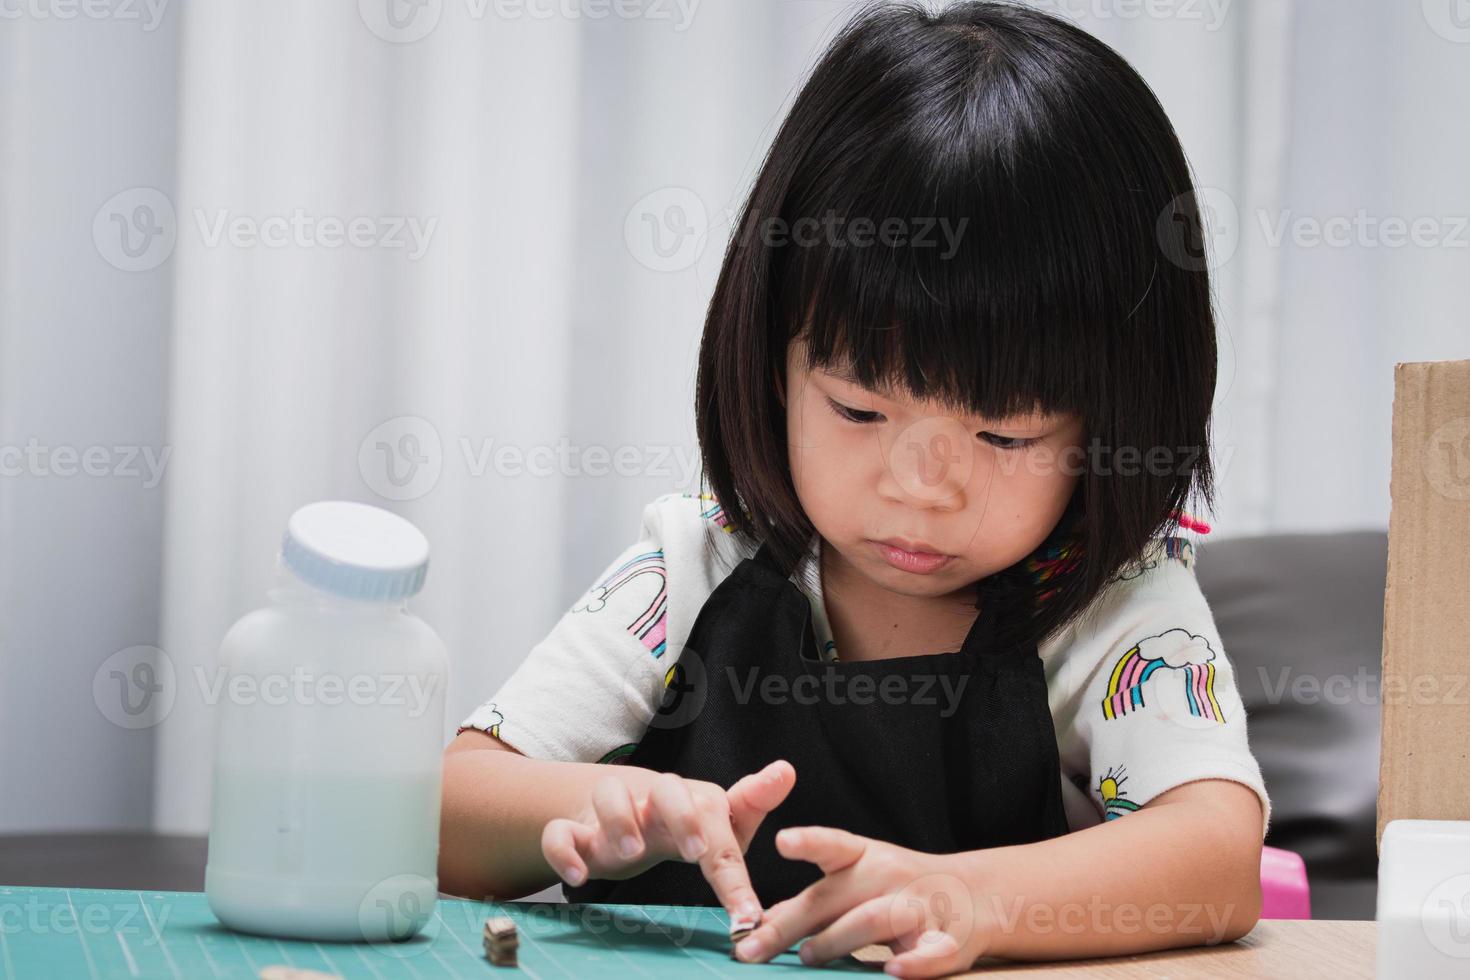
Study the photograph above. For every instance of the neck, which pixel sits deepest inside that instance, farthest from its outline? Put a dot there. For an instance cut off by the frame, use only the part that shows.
(870, 622)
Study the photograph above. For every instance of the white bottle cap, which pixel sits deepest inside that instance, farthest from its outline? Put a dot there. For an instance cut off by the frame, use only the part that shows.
(355, 551)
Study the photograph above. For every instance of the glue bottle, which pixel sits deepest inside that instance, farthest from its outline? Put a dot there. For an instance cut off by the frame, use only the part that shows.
(329, 736)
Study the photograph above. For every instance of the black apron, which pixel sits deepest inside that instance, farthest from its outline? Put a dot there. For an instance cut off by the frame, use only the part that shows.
(958, 753)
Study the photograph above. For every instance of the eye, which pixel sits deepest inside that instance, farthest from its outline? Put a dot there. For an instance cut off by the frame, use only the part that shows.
(852, 414)
(1010, 443)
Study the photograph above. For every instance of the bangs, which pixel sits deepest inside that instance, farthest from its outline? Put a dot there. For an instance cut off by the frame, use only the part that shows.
(1011, 261)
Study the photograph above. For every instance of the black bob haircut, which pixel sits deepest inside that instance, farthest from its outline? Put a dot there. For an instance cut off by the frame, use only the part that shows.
(1078, 284)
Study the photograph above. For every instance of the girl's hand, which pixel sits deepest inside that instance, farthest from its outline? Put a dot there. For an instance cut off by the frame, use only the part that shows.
(624, 832)
(872, 892)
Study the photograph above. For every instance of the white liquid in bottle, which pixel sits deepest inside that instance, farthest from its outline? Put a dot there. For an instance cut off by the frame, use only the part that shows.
(329, 735)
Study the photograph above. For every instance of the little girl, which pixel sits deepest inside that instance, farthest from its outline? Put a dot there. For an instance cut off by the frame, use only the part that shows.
(934, 620)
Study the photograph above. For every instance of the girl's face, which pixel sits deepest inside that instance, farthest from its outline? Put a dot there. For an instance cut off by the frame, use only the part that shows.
(869, 467)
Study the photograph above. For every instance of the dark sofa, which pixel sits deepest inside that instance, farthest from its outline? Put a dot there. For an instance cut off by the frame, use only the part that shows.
(1301, 619)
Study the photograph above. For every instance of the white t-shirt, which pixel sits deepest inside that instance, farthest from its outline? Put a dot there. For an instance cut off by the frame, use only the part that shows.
(1142, 696)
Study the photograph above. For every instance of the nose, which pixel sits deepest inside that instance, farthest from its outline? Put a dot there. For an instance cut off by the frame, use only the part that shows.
(929, 465)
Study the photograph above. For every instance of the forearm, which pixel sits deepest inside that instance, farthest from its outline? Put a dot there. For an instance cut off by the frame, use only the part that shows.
(1182, 871)
(495, 803)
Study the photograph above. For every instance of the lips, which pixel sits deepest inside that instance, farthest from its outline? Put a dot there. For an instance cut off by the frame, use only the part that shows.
(914, 546)
(913, 560)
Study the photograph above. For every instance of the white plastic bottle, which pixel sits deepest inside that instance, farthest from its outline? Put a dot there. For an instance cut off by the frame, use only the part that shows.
(329, 735)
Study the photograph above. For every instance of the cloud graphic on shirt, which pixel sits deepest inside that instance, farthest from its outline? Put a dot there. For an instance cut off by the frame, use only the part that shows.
(1176, 648)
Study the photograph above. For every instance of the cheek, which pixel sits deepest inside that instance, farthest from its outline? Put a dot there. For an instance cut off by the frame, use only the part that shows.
(1030, 492)
(826, 456)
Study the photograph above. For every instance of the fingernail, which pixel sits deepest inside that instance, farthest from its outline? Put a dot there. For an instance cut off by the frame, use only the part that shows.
(749, 948)
(806, 955)
(743, 923)
(572, 876)
(693, 847)
(628, 846)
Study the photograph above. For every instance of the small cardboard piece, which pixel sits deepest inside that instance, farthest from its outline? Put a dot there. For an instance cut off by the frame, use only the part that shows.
(1424, 772)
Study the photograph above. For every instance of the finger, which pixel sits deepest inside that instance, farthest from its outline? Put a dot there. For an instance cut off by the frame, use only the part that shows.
(672, 804)
(782, 907)
(932, 953)
(874, 921)
(757, 794)
(617, 818)
(723, 861)
(562, 844)
(829, 848)
(813, 908)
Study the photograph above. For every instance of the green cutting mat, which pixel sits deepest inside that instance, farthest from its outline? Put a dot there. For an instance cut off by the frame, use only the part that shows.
(62, 933)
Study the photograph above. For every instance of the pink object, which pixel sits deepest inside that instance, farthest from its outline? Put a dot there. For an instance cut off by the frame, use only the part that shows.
(1284, 890)
(1192, 523)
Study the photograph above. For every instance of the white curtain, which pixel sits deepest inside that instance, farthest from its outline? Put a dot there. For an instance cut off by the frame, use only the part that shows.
(534, 363)
(411, 264)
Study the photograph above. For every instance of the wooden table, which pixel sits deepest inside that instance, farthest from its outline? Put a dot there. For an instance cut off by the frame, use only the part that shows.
(1291, 949)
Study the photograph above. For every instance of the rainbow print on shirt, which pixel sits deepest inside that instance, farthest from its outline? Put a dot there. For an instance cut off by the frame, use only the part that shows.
(651, 622)
(712, 510)
(1187, 660)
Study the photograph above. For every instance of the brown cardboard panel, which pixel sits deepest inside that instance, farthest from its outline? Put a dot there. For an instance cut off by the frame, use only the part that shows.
(1425, 768)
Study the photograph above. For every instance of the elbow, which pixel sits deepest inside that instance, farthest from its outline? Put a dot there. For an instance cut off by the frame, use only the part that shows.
(1239, 896)
(453, 882)
(1242, 913)
(464, 874)
(462, 866)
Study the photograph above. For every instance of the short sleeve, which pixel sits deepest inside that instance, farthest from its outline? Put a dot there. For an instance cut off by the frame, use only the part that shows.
(587, 692)
(1144, 695)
